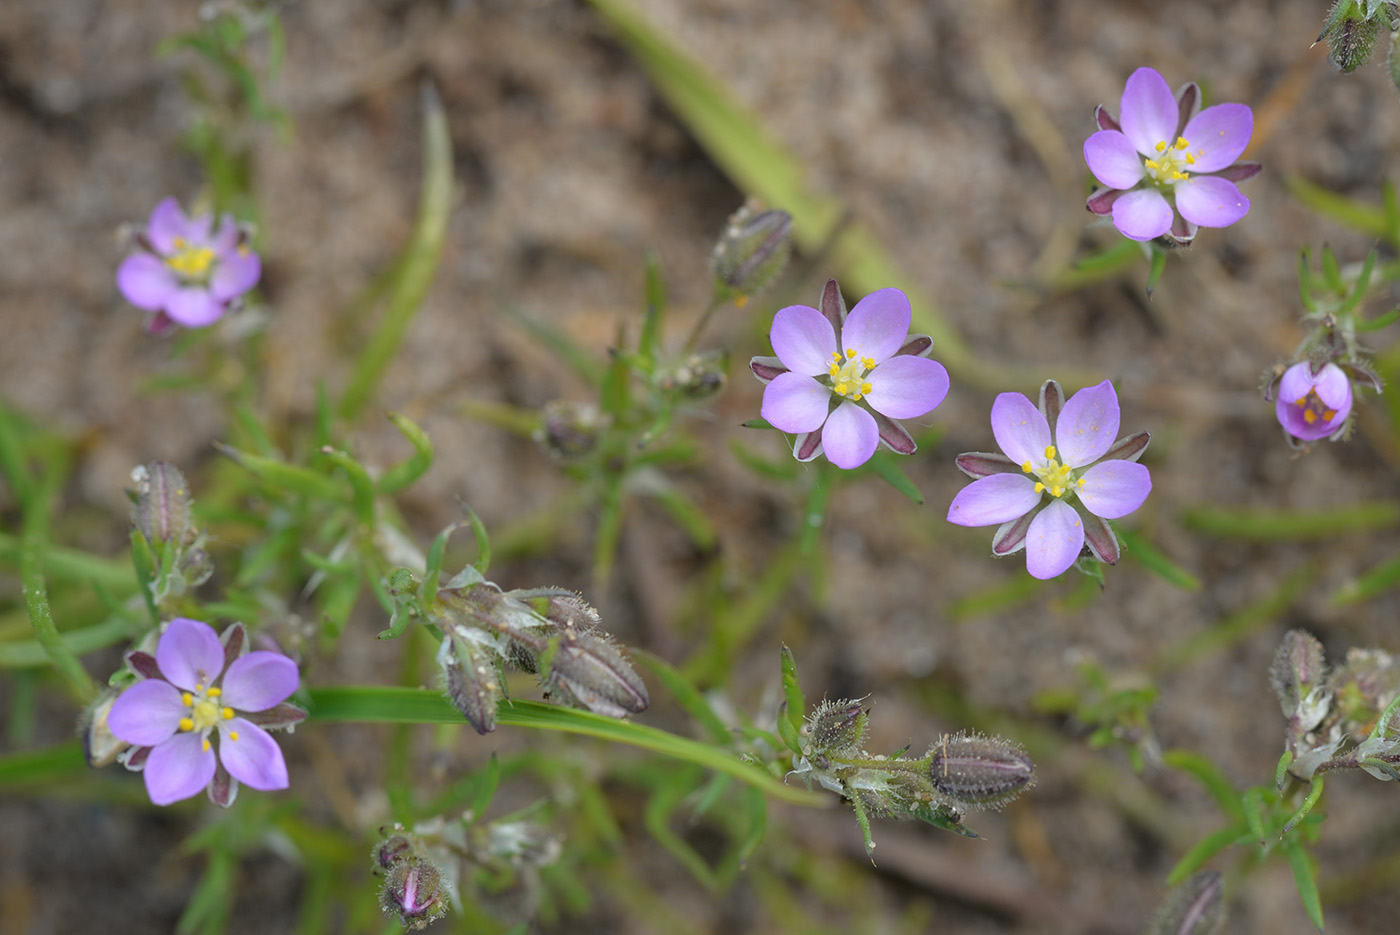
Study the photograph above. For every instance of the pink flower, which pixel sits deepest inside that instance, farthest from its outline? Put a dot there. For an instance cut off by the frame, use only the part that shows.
(1166, 168)
(1062, 478)
(843, 399)
(1313, 401)
(195, 688)
(185, 270)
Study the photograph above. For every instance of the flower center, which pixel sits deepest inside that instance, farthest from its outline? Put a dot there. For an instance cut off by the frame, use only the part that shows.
(1314, 408)
(848, 374)
(189, 261)
(1055, 476)
(1170, 165)
(204, 711)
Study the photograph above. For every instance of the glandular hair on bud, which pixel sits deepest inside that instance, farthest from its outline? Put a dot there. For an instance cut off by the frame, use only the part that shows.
(472, 679)
(752, 250)
(975, 771)
(837, 728)
(161, 504)
(393, 849)
(414, 891)
(1350, 35)
(587, 670)
(1196, 907)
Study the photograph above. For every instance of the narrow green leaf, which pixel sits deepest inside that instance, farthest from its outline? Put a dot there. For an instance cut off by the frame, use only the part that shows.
(361, 485)
(1382, 320)
(883, 464)
(421, 258)
(654, 318)
(289, 477)
(1252, 802)
(1210, 776)
(418, 706)
(1305, 879)
(1155, 270)
(406, 472)
(1314, 793)
(1372, 584)
(1368, 219)
(687, 696)
(792, 690)
(1204, 850)
(1360, 288)
(1290, 525)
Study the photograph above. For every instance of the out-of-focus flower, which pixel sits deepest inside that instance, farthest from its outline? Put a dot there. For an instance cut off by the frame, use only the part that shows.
(1167, 167)
(187, 270)
(197, 686)
(1313, 401)
(1062, 477)
(843, 399)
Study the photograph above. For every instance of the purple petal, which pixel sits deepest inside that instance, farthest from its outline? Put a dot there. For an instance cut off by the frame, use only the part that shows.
(167, 224)
(1113, 159)
(190, 654)
(1100, 539)
(147, 713)
(1218, 136)
(878, 325)
(803, 340)
(1020, 429)
(235, 275)
(1054, 541)
(766, 368)
(1210, 201)
(145, 281)
(906, 387)
(982, 464)
(225, 237)
(178, 768)
(895, 436)
(850, 435)
(1088, 424)
(259, 680)
(995, 499)
(1142, 214)
(254, 759)
(1333, 390)
(1149, 111)
(1010, 537)
(194, 307)
(795, 403)
(807, 446)
(1114, 488)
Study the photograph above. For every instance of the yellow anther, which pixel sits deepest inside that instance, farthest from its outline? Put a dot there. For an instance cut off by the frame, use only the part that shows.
(1329, 414)
(1079, 483)
(1181, 143)
(1057, 490)
(1039, 487)
(1150, 163)
(868, 363)
(233, 735)
(188, 699)
(206, 744)
(840, 389)
(1026, 466)
(1190, 159)
(186, 723)
(199, 688)
(1049, 451)
(865, 388)
(1309, 416)
(228, 712)
(1161, 145)
(215, 692)
(834, 369)
(850, 353)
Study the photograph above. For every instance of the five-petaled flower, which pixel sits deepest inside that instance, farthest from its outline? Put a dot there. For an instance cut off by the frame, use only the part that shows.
(1061, 479)
(197, 686)
(1168, 167)
(187, 271)
(843, 399)
(1313, 400)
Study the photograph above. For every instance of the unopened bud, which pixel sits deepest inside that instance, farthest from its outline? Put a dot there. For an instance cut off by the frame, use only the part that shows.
(414, 891)
(837, 728)
(1350, 34)
(569, 430)
(393, 849)
(161, 504)
(975, 771)
(1364, 686)
(588, 671)
(1196, 907)
(473, 680)
(100, 745)
(1298, 675)
(752, 251)
(698, 376)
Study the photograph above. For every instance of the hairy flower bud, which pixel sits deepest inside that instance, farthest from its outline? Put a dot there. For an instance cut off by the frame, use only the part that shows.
(1196, 907)
(472, 678)
(698, 376)
(414, 891)
(1363, 686)
(100, 745)
(752, 251)
(588, 671)
(569, 430)
(975, 771)
(1298, 675)
(1350, 33)
(837, 728)
(393, 849)
(161, 504)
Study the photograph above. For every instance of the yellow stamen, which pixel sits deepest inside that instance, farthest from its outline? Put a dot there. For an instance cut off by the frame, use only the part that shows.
(186, 724)
(850, 353)
(206, 744)
(228, 712)
(1181, 143)
(1161, 146)
(215, 692)
(1049, 451)
(233, 735)
(1026, 466)
(188, 699)
(865, 388)
(1039, 487)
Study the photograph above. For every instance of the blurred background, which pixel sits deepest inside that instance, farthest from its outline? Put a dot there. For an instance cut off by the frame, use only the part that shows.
(952, 133)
